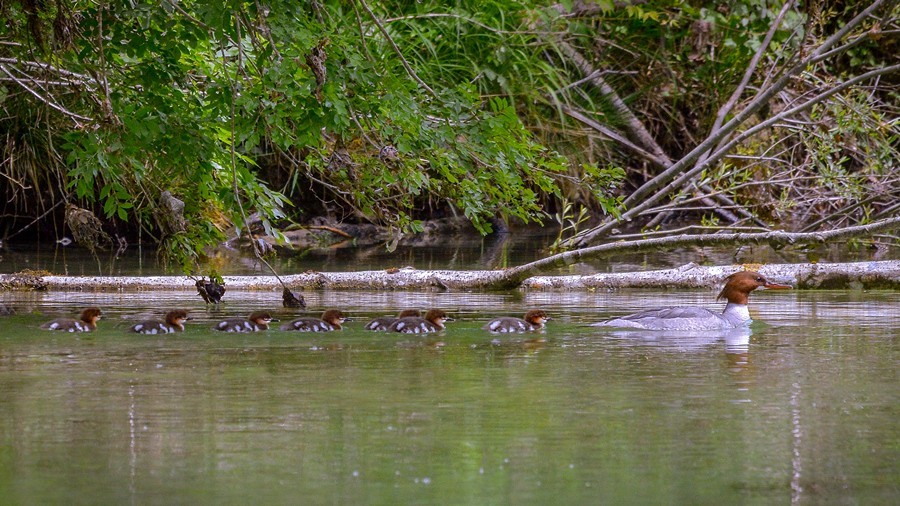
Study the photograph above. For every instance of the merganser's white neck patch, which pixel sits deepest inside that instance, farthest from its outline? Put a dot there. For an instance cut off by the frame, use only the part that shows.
(736, 314)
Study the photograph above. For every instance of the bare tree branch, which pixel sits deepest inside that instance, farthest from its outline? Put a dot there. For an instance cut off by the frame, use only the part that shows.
(43, 99)
(612, 135)
(675, 176)
(406, 65)
(748, 74)
(73, 78)
(677, 183)
(878, 274)
(635, 127)
(758, 102)
(661, 161)
(652, 151)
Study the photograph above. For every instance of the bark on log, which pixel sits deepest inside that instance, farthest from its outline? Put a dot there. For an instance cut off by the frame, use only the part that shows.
(392, 279)
(858, 275)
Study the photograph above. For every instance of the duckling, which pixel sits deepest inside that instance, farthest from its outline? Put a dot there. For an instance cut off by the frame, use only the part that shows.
(331, 320)
(174, 323)
(86, 322)
(257, 321)
(433, 322)
(534, 320)
(382, 324)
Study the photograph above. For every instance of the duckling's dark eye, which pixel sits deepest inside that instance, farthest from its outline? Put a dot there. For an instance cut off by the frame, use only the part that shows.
(760, 279)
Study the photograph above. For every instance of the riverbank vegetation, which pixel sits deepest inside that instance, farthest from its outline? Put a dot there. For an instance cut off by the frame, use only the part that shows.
(179, 123)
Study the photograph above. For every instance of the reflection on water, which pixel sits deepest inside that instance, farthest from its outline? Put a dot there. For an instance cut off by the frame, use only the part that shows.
(735, 340)
(798, 407)
(457, 252)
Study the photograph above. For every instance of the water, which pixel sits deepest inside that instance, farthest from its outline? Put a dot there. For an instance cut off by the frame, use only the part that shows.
(802, 409)
(462, 253)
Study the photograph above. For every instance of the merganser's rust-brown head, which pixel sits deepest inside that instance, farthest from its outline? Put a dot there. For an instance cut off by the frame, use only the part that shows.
(176, 318)
(90, 316)
(334, 317)
(536, 317)
(739, 285)
(261, 318)
(437, 317)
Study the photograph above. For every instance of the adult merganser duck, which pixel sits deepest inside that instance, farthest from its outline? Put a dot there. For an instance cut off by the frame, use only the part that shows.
(331, 320)
(86, 322)
(736, 291)
(174, 323)
(382, 324)
(433, 322)
(534, 320)
(257, 321)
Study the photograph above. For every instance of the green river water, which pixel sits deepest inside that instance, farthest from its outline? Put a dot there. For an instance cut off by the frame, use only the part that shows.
(801, 408)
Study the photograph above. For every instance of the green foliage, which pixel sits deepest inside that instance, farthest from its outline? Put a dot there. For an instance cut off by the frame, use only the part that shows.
(569, 223)
(239, 104)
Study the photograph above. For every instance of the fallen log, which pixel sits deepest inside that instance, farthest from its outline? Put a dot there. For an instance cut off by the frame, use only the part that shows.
(823, 276)
(530, 275)
(856, 275)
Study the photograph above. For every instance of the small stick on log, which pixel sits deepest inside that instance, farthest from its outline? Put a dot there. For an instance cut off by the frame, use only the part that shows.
(333, 230)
